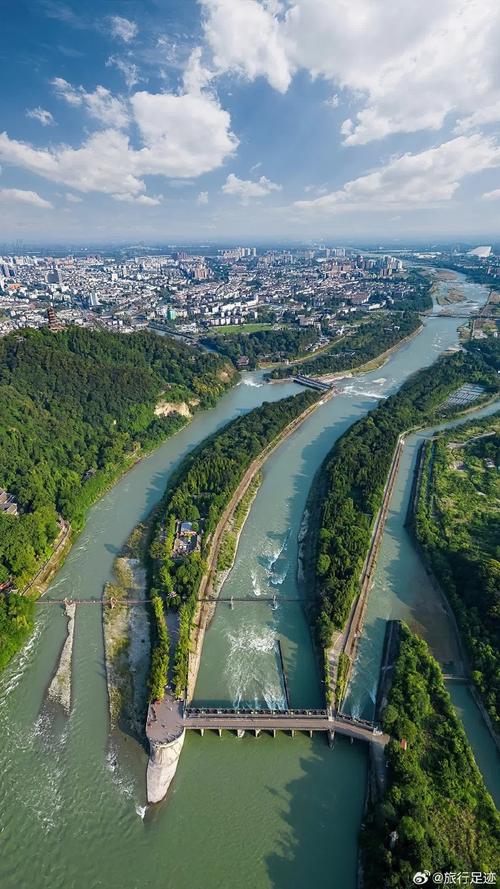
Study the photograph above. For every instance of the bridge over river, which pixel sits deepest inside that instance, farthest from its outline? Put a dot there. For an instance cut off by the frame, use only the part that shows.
(167, 719)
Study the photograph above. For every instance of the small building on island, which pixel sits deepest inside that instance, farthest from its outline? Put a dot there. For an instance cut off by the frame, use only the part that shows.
(8, 504)
(186, 541)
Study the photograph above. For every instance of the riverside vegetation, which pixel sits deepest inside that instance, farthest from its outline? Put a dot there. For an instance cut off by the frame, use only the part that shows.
(351, 481)
(199, 492)
(436, 813)
(368, 341)
(263, 345)
(457, 524)
(77, 408)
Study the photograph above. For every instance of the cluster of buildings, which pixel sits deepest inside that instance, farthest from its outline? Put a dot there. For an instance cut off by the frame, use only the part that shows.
(186, 541)
(8, 503)
(188, 293)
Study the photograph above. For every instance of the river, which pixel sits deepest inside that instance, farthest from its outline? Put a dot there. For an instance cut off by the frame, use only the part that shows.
(244, 812)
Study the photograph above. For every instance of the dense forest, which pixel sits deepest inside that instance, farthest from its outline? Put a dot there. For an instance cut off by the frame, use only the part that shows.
(436, 814)
(368, 341)
(76, 408)
(263, 345)
(352, 479)
(198, 493)
(457, 524)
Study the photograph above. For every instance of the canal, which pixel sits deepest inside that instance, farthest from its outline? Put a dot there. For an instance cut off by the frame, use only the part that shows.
(244, 812)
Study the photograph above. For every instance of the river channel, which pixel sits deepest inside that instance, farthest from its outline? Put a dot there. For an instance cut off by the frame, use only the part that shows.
(244, 812)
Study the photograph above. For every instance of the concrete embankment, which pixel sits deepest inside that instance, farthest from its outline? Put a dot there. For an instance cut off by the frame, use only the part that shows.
(60, 687)
(162, 766)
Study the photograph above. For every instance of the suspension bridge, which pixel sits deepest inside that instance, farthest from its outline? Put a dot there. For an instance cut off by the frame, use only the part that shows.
(231, 600)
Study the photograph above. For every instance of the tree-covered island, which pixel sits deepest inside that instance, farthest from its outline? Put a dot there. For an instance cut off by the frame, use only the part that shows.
(188, 517)
(349, 487)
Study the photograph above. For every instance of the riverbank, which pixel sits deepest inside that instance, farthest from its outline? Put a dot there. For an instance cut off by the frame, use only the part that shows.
(374, 364)
(46, 572)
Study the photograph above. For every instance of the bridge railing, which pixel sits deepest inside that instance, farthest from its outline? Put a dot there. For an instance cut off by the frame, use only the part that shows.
(193, 712)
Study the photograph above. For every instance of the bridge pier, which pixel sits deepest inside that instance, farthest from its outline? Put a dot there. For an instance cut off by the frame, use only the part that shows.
(273, 730)
(202, 732)
(219, 730)
(257, 732)
(292, 732)
(310, 732)
(331, 737)
(240, 732)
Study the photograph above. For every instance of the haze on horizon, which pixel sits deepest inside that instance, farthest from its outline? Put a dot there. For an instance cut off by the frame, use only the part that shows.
(250, 119)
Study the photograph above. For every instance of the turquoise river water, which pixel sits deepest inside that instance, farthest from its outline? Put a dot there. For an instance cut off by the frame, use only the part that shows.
(241, 812)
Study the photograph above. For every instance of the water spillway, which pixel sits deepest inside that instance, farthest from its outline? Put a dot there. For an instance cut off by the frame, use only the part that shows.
(251, 812)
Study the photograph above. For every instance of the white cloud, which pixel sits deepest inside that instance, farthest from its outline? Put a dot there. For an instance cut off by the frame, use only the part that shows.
(245, 189)
(72, 198)
(183, 135)
(18, 195)
(202, 198)
(412, 180)
(245, 37)
(41, 114)
(123, 28)
(129, 70)
(105, 162)
(407, 65)
(196, 76)
(143, 199)
(492, 195)
(101, 104)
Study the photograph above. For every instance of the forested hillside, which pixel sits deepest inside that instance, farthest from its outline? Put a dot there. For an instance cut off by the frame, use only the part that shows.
(76, 407)
(352, 479)
(436, 814)
(368, 341)
(270, 345)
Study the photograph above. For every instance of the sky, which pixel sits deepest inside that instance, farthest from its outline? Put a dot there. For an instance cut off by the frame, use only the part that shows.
(249, 120)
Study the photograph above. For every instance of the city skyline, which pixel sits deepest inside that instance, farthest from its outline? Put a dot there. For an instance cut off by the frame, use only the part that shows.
(223, 120)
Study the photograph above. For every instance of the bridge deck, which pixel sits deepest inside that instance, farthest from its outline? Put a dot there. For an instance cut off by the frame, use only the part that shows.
(166, 720)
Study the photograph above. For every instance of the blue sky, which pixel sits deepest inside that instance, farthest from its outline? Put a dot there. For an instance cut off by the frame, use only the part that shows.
(249, 120)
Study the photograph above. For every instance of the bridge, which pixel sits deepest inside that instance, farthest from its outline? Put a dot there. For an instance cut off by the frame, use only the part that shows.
(231, 600)
(168, 718)
(444, 315)
(312, 383)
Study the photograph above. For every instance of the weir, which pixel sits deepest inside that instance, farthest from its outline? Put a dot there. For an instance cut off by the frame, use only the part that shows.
(168, 719)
